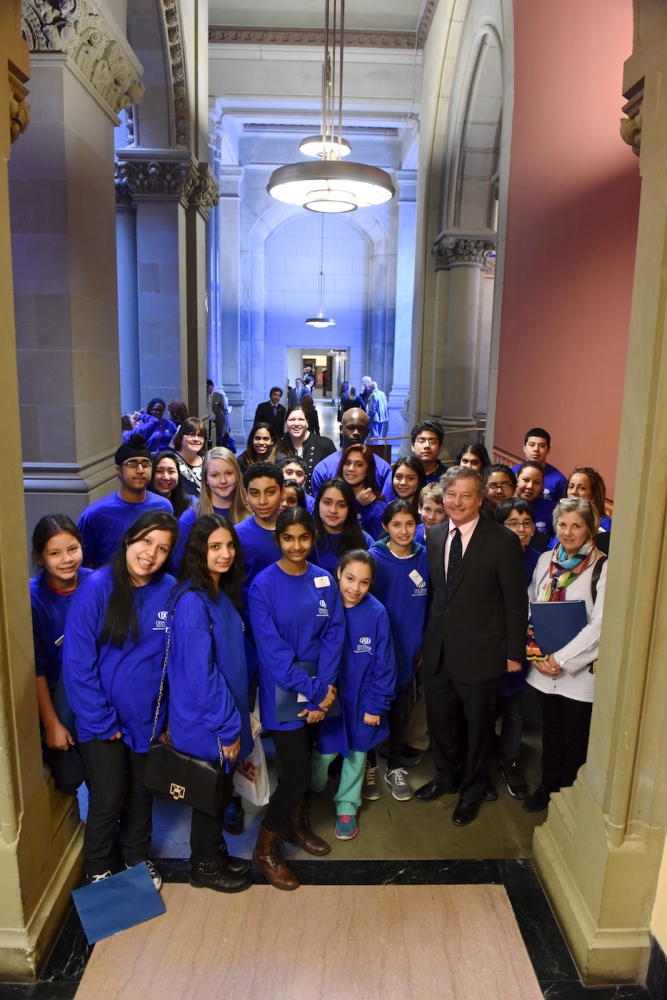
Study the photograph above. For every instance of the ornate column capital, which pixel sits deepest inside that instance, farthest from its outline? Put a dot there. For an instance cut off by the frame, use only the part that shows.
(631, 127)
(99, 51)
(165, 175)
(456, 248)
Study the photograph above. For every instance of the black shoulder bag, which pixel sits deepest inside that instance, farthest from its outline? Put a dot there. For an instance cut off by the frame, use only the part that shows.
(180, 776)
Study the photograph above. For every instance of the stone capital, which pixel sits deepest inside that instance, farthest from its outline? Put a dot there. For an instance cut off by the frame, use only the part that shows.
(165, 175)
(454, 249)
(97, 48)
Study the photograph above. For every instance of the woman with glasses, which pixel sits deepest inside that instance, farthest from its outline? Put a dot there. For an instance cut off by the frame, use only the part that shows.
(189, 444)
(103, 524)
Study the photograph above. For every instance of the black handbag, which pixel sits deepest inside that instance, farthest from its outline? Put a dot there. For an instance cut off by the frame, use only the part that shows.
(180, 776)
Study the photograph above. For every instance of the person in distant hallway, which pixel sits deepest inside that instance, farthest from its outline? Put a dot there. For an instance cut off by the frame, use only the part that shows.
(529, 482)
(500, 483)
(297, 393)
(160, 430)
(475, 456)
(299, 440)
(166, 482)
(336, 524)
(408, 479)
(299, 626)
(272, 412)
(367, 681)
(103, 524)
(222, 493)
(357, 468)
(342, 395)
(536, 447)
(476, 632)
(190, 445)
(378, 412)
(366, 389)
(295, 468)
(517, 515)
(576, 570)
(355, 428)
(261, 447)
(56, 550)
(352, 401)
(208, 686)
(178, 411)
(427, 437)
(308, 408)
(218, 414)
(113, 651)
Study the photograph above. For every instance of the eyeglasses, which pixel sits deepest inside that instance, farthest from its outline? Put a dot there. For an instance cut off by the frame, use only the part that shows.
(519, 524)
(134, 464)
(499, 487)
(426, 440)
(194, 437)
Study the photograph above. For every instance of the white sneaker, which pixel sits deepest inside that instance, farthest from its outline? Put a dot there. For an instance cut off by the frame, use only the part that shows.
(370, 789)
(152, 871)
(397, 779)
(92, 879)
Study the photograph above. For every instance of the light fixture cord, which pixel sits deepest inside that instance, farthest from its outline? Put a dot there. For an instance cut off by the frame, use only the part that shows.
(340, 81)
(333, 82)
(321, 281)
(326, 75)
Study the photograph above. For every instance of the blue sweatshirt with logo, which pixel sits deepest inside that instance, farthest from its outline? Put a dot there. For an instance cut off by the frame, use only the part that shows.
(206, 670)
(295, 618)
(113, 689)
(366, 680)
(401, 586)
(49, 614)
(104, 523)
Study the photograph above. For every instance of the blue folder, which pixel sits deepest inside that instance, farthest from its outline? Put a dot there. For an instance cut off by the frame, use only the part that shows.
(117, 903)
(555, 623)
(288, 705)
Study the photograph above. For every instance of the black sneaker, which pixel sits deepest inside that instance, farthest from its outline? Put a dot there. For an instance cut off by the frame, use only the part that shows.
(410, 757)
(538, 801)
(515, 780)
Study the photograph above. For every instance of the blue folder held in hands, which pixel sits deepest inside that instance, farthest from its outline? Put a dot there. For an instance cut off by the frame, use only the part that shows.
(289, 704)
(555, 623)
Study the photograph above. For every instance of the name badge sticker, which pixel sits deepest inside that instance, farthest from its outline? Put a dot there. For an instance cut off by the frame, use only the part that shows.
(301, 698)
(322, 581)
(59, 641)
(417, 578)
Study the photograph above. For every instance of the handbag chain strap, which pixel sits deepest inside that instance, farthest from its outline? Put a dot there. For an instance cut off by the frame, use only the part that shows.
(164, 672)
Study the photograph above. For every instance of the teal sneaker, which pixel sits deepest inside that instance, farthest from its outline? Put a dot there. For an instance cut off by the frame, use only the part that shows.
(346, 827)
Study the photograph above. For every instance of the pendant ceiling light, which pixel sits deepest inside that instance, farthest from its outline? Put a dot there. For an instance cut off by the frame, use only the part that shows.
(320, 321)
(331, 185)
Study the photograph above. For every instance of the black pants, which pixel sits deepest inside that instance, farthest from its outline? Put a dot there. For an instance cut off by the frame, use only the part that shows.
(565, 727)
(397, 717)
(452, 709)
(206, 831)
(117, 795)
(293, 751)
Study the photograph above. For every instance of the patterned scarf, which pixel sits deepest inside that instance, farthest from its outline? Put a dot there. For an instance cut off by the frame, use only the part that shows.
(563, 570)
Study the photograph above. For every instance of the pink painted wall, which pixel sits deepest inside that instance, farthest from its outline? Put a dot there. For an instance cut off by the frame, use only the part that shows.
(571, 233)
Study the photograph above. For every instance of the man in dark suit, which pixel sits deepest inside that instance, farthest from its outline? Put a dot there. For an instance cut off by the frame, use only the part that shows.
(297, 393)
(476, 631)
(273, 412)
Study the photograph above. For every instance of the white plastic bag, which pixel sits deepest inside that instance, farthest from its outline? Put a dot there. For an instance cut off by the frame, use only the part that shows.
(251, 779)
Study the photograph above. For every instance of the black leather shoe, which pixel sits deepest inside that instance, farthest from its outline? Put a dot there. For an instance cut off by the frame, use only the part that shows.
(465, 813)
(434, 789)
(538, 801)
(213, 875)
(489, 794)
(234, 817)
(237, 866)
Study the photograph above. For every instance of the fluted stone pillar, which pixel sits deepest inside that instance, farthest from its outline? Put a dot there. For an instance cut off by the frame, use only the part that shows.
(462, 256)
(405, 266)
(228, 271)
(128, 302)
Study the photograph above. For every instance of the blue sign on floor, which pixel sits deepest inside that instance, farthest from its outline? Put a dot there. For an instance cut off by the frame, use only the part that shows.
(117, 903)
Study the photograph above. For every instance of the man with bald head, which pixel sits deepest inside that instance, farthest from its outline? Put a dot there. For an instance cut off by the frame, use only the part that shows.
(355, 428)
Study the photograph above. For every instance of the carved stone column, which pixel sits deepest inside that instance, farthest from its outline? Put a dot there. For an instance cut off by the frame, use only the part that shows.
(83, 72)
(405, 266)
(462, 256)
(228, 319)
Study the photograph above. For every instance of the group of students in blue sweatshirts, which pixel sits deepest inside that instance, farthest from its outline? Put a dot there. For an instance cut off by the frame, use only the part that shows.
(248, 587)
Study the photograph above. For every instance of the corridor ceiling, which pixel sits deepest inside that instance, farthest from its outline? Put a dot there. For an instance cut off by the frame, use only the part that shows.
(360, 15)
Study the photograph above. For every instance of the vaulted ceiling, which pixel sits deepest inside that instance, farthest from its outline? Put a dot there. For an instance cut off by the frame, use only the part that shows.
(360, 15)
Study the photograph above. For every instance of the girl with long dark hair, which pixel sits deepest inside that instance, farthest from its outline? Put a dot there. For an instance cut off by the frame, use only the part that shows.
(474, 455)
(298, 624)
(112, 663)
(408, 479)
(57, 551)
(261, 446)
(167, 482)
(336, 523)
(357, 467)
(208, 685)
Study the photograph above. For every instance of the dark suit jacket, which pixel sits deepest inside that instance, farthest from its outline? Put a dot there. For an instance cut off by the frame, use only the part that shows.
(264, 415)
(483, 622)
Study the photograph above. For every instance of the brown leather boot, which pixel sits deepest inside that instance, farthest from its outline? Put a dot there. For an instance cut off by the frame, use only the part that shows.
(267, 857)
(298, 832)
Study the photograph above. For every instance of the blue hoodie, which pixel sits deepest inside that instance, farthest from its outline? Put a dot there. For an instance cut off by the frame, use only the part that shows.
(366, 680)
(208, 682)
(113, 689)
(401, 585)
(49, 614)
(295, 618)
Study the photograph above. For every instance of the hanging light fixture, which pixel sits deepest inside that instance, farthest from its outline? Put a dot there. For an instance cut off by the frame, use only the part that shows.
(331, 186)
(320, 321)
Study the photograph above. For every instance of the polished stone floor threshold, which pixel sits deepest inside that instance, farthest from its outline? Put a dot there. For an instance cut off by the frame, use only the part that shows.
(551, 962)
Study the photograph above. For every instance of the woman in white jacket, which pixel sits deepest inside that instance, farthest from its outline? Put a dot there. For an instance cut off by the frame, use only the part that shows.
(575, 570)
